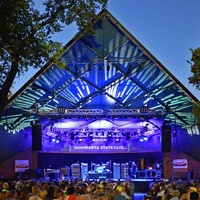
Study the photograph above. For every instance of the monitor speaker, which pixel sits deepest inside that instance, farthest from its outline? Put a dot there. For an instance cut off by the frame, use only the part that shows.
(166, 138)
(36, 137)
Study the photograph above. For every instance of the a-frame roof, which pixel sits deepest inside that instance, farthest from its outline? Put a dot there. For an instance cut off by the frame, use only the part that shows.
(109, 75)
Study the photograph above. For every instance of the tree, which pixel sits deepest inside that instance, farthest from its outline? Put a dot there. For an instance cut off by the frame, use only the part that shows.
(26, 34)
(195, 79)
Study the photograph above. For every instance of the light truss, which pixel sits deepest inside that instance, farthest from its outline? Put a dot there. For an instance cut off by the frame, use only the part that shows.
(89, 112)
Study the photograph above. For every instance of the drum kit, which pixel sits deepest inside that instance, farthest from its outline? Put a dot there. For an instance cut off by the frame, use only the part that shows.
(102, 168)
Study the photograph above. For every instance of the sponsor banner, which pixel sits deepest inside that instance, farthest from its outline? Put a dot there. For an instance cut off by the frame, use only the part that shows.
(21, 165)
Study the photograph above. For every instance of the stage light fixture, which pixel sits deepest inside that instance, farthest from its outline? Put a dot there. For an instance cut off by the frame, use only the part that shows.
(145, 138)
(5, 127)
(57, 140)
(90, 135)
(141, 139)
(144, 109)
(109, 135)
(61, 109)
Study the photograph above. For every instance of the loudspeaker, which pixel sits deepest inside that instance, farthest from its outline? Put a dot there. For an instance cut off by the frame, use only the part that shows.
(166, 139)
(36, 137)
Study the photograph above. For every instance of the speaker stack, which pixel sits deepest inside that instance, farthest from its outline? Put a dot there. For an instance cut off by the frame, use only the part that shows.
(166, 138)
(36, 137)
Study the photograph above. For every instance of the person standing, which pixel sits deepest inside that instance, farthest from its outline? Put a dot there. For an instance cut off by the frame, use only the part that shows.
(134, 170)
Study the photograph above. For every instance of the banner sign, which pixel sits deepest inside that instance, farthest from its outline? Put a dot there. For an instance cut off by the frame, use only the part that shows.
(100, 148)
(21, 165)
(180, 165)
(123, 146)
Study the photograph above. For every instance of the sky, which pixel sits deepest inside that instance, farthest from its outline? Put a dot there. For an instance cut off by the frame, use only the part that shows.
(167, 28)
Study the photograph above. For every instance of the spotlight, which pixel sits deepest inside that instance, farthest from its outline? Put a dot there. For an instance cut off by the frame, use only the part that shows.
(145, 138)
(57, 141)
(109, 135)
(90, 135)
(141, 139)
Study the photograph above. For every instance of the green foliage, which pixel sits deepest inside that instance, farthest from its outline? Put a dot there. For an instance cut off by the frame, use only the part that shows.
(195, 68)
(26, 33)
(196, 112)
(195, 80)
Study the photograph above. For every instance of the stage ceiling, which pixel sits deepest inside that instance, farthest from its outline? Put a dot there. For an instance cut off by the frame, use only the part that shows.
(111, 81)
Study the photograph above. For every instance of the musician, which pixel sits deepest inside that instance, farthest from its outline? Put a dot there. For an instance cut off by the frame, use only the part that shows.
(157, 166)
(134, 170)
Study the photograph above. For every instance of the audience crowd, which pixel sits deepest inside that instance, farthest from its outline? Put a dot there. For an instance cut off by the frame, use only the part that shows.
(42, 189)
(66, 190)
(174, 190)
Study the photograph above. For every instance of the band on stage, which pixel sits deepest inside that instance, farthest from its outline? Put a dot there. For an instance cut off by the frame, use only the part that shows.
(103, 170)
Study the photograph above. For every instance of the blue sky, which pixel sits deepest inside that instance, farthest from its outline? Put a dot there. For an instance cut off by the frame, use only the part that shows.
(167, 28)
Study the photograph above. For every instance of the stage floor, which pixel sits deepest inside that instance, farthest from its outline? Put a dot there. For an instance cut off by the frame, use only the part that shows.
(139, 196)
(141, 185)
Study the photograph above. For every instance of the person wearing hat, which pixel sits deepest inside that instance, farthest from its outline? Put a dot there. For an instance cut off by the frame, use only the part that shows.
(119, 196)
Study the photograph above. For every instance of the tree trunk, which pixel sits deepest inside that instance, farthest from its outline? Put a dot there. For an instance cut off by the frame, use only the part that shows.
(3, 101)
(6, 87)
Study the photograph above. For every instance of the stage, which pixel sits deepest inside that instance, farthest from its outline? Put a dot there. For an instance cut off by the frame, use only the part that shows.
(97, 172)
(143, 185)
